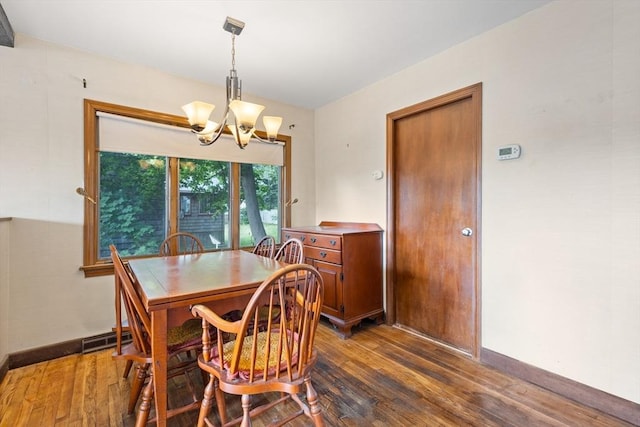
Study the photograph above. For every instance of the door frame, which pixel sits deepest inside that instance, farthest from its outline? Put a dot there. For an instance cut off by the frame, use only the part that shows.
(474, 92)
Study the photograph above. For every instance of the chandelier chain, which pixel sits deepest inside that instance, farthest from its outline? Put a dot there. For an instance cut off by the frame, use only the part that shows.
(233, 50)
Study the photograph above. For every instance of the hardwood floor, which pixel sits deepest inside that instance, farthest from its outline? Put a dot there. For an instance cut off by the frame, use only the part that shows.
(381, 376)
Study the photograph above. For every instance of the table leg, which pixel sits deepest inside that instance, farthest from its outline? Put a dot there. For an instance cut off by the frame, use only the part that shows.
(160, 356)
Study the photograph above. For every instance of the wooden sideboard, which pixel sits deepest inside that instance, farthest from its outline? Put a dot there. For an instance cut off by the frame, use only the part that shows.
(348, 255)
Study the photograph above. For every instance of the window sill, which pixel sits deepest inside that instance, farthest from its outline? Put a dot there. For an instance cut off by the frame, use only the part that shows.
(97, 270)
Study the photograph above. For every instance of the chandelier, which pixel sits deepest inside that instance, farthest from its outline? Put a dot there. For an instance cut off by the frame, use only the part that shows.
(243, 114)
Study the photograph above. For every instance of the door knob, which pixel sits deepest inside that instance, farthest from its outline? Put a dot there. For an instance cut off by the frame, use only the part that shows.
(467, 231)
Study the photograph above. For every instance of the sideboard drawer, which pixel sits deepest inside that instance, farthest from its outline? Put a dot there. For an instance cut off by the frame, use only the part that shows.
(317, 240)
(322, 254)
(293, 235)
(324, 241)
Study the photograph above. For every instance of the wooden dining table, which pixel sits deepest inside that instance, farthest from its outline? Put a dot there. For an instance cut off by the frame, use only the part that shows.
(169, 285)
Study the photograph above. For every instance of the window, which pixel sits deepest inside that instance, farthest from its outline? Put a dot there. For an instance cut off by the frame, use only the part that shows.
(150, 177)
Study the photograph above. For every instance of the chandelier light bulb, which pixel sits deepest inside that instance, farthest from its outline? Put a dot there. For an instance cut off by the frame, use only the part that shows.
(246, 114)
(210, 127)
(206, 135)
(272, 125)
(242, 138)
(198, 113)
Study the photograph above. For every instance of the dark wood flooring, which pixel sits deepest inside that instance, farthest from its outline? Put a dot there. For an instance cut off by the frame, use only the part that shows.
(381, 376)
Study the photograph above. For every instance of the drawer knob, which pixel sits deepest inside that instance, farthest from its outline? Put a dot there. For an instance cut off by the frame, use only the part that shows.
(302, 238)
(333, 242)
(323, 254)
(313, 240)
(287, 236)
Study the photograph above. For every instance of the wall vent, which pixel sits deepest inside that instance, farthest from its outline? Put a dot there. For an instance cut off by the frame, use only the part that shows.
(100, 342)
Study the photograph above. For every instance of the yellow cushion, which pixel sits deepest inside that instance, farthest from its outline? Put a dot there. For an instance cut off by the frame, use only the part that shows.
(245, 357)
(189, 333)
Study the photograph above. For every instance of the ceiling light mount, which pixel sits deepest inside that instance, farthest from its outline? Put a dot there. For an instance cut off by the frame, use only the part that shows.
(244, 114)
(233, 26)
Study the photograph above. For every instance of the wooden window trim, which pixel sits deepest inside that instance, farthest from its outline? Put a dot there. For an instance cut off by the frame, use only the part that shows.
(91, 265)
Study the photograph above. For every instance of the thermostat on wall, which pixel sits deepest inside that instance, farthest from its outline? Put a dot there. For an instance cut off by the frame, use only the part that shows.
(509, 152)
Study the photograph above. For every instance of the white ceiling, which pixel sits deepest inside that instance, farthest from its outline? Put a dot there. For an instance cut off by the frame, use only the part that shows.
(305, 53)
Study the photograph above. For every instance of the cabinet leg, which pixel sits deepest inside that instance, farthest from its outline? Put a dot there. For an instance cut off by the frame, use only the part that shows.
(342, 330)
(379, 319)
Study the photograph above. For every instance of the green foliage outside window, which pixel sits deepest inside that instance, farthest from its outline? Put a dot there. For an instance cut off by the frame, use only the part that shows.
(132, 200)
(207, 177)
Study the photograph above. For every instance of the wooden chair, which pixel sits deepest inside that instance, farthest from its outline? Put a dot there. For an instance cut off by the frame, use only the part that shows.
(121, 325)
(181, 341)
(291, 252)
(265, 247)
(277, 357)
(181, 243)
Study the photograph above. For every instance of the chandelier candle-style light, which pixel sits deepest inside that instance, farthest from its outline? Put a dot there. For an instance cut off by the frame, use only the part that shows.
(245, 114)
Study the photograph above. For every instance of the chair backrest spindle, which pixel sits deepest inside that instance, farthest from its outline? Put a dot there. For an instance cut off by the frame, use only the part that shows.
(181, 243)
(265, 247)
(291, 252)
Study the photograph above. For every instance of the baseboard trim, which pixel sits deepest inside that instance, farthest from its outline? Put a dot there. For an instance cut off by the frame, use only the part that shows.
(42, 354)
(581, 393)
(53, 351)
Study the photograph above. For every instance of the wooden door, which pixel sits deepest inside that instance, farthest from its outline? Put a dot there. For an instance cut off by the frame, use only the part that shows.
(433, 155)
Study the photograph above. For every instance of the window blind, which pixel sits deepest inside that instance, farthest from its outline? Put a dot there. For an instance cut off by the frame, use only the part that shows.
(126, 135)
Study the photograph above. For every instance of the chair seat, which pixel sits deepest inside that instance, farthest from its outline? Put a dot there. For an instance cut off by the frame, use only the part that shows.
(190, 332)
(273, 339)
(185, 335)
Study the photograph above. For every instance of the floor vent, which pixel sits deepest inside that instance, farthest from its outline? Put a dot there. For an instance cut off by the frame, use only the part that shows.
(100, 342)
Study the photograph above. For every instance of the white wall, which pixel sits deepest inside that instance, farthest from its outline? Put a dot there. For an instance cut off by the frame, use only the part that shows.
(561, 225)
(41, 164)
